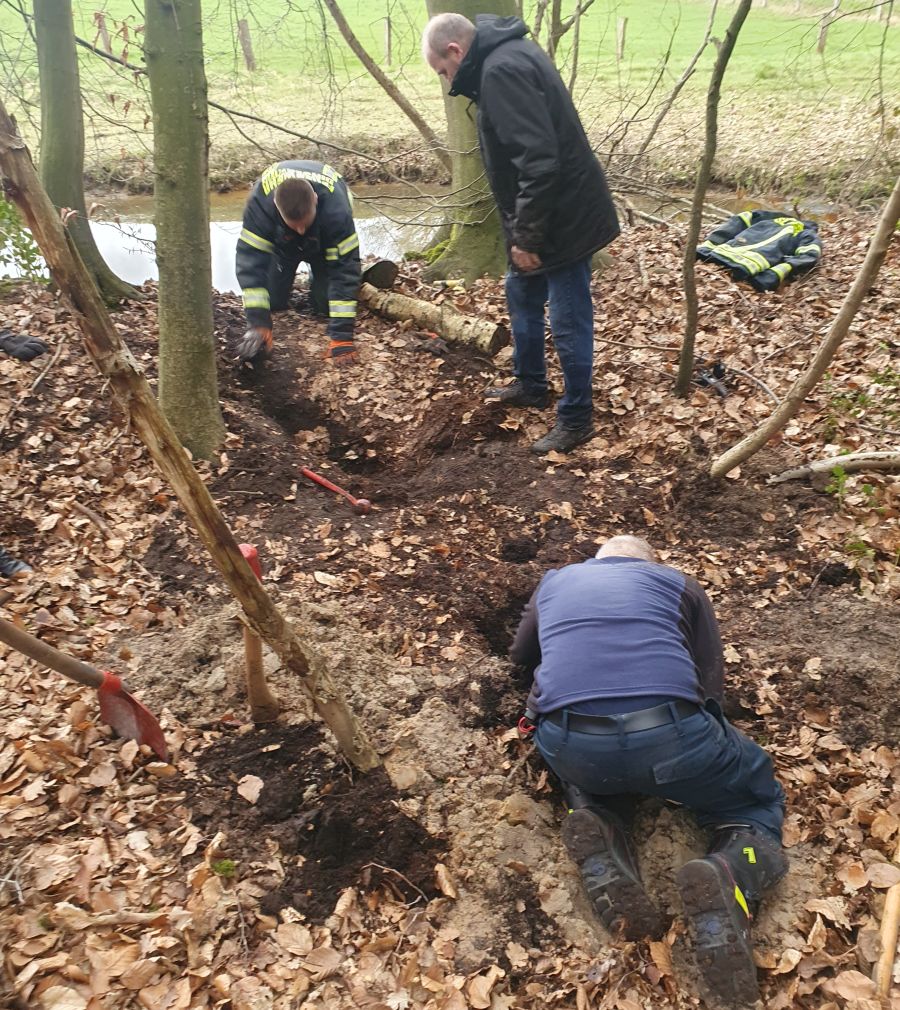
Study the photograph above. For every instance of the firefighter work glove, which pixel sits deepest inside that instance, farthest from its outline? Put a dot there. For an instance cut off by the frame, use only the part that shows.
(22, 347)
(341, 353)
(255, 344)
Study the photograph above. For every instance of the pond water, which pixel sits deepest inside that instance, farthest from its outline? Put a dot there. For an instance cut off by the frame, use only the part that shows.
(390, 220)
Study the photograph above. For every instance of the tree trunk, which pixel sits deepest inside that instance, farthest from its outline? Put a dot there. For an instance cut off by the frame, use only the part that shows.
(188, 392)
(114, 360)
(476, 244)
(62, 137)
(391, 89)
(864, 279)
(246, 44)
(686, 360)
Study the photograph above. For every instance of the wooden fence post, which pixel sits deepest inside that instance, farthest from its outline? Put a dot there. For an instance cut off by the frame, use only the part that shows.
(246, 44)
(823, 28)
(621, 26)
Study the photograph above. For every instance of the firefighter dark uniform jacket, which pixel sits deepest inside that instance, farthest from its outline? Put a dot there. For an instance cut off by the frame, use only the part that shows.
(549, 187)
(331, 240)
(764, 247)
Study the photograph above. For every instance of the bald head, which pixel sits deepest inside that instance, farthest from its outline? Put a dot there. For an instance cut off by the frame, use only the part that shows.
(445, 41)
(627, 546)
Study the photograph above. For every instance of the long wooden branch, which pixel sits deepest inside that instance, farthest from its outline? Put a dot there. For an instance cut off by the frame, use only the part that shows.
(849, 463)
(131, 389)
(438, 149)
(864, 279)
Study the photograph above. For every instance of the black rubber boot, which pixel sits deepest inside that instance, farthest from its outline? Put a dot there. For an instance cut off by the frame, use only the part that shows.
(563, 439)
(516, 395)
(599, 843)
(721, 895)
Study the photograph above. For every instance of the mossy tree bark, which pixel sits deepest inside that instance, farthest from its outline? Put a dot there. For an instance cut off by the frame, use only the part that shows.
(62, 137)
(188, 393)
(476, 245)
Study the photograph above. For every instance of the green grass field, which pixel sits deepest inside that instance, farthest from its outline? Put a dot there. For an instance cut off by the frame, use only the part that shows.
(783, 104)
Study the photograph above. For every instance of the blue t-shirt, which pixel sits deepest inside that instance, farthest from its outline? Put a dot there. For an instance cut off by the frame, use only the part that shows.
(618, 627)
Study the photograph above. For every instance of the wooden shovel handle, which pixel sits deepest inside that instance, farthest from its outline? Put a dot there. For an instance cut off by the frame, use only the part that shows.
(46, 655)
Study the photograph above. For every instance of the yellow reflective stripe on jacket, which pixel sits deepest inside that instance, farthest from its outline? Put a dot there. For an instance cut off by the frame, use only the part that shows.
(787, 230)
(256, 241)
(736, 256)
(746, 216)
(806, 248)
(342, 310)
(331, 254)
(350, 243)
(782, 269)
(275, 174)
(255, 298)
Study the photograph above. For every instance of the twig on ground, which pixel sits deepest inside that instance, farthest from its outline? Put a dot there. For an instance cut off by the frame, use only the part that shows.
(766, 389)
(12, 880)
(94, 518)
(397, 873)
(57, 354)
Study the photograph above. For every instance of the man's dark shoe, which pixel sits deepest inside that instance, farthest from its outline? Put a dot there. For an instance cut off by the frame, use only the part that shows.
(562, 439)
(721, 894)
(600, 845)
(516, 395)
(10, 566)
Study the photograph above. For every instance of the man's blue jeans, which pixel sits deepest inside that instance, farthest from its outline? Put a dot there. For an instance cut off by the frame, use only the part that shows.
(568, 290)
(700, 761)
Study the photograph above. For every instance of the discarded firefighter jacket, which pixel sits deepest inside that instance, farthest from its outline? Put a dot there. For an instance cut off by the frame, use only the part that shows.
(764, 247)
(330, 244)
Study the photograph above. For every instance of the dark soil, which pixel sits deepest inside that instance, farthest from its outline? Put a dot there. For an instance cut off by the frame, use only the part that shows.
(351, 833)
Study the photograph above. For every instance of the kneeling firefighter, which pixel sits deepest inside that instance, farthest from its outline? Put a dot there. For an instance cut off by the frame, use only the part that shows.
(299, 212)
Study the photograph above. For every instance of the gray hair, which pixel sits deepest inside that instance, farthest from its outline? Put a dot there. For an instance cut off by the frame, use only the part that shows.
(443, 29)
(627, 546)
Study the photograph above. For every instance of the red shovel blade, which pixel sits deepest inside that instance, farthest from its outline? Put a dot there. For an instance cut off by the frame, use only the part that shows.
(128, 717)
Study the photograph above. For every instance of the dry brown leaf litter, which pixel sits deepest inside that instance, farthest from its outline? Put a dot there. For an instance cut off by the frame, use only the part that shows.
(114, 897)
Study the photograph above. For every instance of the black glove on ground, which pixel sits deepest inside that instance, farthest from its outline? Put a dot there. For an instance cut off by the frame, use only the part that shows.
(21, 346)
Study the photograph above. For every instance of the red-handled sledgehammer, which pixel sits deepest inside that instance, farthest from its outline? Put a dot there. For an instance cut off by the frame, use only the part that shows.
(361, 506)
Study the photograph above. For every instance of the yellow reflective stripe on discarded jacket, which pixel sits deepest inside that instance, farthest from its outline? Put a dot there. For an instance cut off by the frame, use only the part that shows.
(753, 263)
(255, 298)
(813, 247)
(342, 310)
(782, 269)
(256, 241)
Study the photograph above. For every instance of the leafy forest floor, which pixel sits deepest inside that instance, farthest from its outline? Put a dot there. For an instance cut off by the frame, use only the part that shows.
(256, 870)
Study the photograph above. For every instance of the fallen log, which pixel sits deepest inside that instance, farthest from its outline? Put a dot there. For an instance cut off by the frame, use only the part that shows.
(445, 320)
(849, 463)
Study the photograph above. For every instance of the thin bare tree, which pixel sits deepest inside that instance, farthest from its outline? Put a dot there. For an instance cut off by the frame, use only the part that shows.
(726, 47)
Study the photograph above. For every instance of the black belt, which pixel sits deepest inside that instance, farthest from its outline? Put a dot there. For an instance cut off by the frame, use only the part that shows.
(625, 722)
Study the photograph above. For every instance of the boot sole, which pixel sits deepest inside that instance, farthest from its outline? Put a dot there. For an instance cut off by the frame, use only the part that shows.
(620, 901)
(723, 953)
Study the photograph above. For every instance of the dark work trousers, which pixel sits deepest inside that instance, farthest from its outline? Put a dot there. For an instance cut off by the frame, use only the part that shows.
(568, 292)
(280, 283)
(699, 760)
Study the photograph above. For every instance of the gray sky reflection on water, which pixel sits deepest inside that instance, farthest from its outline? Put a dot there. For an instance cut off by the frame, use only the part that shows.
(124, 231)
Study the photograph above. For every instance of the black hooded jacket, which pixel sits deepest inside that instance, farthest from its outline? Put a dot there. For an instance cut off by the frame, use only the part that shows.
(549, 187)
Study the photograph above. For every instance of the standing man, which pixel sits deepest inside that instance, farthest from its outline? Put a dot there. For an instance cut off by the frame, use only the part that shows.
(299, 211)
(555, 206)
(627, 696)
